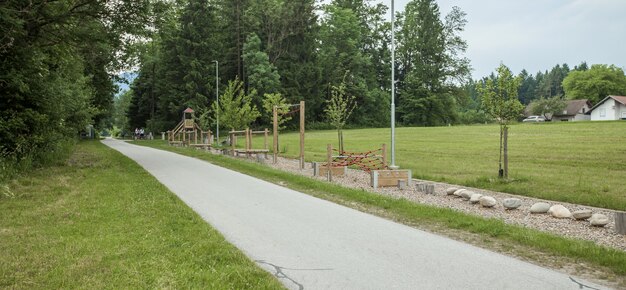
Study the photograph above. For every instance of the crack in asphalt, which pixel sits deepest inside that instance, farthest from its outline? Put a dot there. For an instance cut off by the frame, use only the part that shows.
(280, 274)
(581, 285)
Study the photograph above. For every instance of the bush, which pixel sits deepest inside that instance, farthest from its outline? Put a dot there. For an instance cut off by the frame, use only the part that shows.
(473, 117)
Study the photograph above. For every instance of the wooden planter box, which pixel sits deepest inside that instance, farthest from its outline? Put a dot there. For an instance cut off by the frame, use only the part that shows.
(319, 169)
(390, 178)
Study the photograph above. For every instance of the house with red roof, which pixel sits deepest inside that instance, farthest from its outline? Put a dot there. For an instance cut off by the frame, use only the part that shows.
(610, 108)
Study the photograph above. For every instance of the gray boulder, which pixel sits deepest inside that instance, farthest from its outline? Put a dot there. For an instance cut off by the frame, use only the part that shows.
(559, 211)
(467, 194)
(451, 190)
(475, 198)
(512, 203)
(582, 214)
(540, 207)
(487, 201)
(458, 192)
(599, 220)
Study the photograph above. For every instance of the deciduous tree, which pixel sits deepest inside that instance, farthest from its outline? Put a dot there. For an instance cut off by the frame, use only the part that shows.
(235, 108)
(499, 99)
(547, 107)
(338, 109)
(596, 83)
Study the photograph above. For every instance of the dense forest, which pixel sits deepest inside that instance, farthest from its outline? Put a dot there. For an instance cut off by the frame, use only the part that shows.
(301, 49)
(60, 61)
(57, 66)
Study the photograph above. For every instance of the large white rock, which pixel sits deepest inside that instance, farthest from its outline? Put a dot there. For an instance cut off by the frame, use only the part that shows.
(599, 220)
(540, 207)
(582, 214)
(511, 203)
(458, 192)
(475, 198)
(559, 211)
(467, 194)
(451, 190)
(487, 201)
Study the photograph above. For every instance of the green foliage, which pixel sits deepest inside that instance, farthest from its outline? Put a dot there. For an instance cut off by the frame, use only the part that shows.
(120, 112)
(548, 107)
(499, 100)
(262, 75)
(431, 63)
(353, 37)
(271, 100)
(499, 96)
(596, 83)
(473, 116)
(236, 110)
(56, 58)
(339, 108)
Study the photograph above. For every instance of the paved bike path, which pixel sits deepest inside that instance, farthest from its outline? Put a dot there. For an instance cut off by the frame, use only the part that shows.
(310, 243)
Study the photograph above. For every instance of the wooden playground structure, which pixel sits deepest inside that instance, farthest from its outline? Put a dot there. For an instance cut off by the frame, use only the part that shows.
(373, 161)
(187, 132)
(337, 162)
(248, 151)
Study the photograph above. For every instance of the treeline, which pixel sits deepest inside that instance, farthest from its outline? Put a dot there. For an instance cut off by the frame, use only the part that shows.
(57, 60)
(300, 50)
(553, 86)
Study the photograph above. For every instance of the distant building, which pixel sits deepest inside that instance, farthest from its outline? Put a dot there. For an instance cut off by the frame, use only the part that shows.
(610, 108)
(576, 110)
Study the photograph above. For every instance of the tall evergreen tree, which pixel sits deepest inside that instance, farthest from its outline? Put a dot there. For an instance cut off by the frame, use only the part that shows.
(430, 63)
(262, 75)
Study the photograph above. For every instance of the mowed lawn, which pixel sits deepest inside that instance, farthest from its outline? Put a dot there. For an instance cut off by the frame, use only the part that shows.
(578, 162)
(100, 221)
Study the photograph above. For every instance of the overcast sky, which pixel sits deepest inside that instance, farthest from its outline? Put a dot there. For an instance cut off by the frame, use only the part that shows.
(538, 34)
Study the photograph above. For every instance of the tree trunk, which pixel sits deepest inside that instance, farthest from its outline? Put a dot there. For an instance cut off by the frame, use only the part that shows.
(506, 152)
(500, 173)
(340, 136)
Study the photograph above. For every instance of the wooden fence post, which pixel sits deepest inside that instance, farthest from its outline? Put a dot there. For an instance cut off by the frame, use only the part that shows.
(384, 149)
(233, 140)
(329, 156)
(265, 132)
(620, 222)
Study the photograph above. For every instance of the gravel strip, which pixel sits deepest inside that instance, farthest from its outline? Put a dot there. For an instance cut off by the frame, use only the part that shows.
(605, 236)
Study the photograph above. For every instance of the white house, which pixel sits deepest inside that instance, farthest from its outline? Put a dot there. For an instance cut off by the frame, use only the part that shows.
(610, 108)
(576, 110)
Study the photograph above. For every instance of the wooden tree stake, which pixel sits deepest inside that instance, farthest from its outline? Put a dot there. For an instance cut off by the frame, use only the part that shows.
(329, 159)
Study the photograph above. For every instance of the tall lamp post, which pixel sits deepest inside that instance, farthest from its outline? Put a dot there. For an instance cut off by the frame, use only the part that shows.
(217, 100)
(393, 88)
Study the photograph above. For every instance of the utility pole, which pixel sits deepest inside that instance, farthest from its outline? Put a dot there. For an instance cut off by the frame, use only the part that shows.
(393, 87)
(217, 100)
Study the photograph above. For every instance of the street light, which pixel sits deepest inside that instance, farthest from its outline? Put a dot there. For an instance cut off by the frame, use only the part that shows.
(393, 89)
(217, 100)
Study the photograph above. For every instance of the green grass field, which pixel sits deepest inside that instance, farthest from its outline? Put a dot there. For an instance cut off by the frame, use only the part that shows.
(102, 222)
(578, 162)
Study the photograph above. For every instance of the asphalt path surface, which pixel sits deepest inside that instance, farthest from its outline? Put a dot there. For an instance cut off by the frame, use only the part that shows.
(310, 243)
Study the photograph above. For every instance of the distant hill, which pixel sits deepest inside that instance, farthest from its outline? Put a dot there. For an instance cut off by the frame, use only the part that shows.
(124, 84)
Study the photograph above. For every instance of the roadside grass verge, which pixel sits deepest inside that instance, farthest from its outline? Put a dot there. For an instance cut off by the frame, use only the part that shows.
(101, 221)
(575, 162)
(491, 233)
